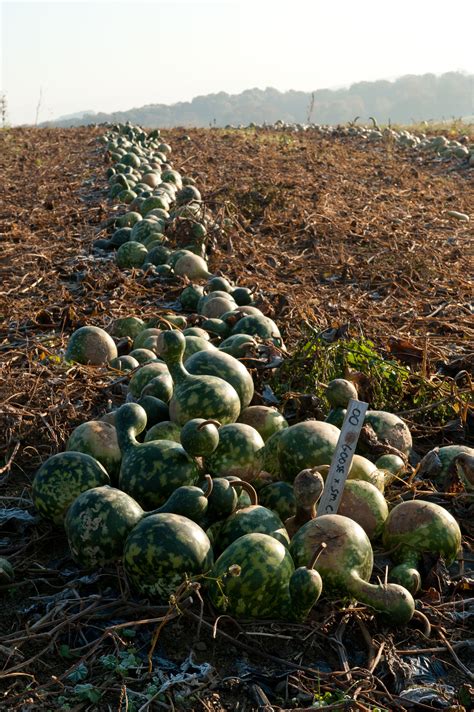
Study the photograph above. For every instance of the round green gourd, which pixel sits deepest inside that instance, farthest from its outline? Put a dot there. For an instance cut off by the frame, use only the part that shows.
(253, 518)
(217, 328)
(90, 345)
(190, 297)
(124, 363)
(156, 410)
(255, 578)
(256, 325)
(162, 551)
(339, 392)
(97, 524)
(266, 420)
(438, 465)
(200, 437)
(196, 331)
(388, 427)
(238, 345)
(131, 254)
(238, 453)
(196, 344)
(279, 497)
(127, 326)
(147, 373)
(305, 445)
(415, 528)
(189, 501)
(61, 479)
(366, 505)
(143, 355)
(242, 296)
(216, 363)
(206, 397)
(150, 471)
(166, 430)
(99, 440)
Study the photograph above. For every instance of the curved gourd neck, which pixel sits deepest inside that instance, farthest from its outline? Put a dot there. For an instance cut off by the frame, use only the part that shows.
(389, 598)
(130, 420)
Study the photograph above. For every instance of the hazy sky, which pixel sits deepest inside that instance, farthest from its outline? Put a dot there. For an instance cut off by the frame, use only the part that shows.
(106, 56)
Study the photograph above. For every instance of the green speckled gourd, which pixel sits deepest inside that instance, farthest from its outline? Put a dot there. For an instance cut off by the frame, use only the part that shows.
(224, 497)
(166, 430)
(438, 464)
(91, 345)
(148, 373)
(127, 326)
(61, 479)
(192, 502)
(266, 421)
(279, 497)
(150, 471)
(239, 452)
(345, 565)
(131, 254)
(305, 445)
(97, 524)
(366, 505)
(238, 345)
(254, 518)
(258, 325)
(225, 366)
(207, 397)
(389, 428)
(200, 437)
(99, 440)
(415, 528)
(339, 392)
(255, 578)
(162, 550)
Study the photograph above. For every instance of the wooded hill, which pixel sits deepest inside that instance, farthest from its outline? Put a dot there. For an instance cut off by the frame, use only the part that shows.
(409, 99)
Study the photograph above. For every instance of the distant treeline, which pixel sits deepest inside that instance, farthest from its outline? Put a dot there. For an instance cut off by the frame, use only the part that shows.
(409, 99)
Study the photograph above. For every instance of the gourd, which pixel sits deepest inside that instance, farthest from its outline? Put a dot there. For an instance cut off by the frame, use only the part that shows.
(258, 325)
(99, 440)
(97, 524)
(127, 326)
(238, 453)
(192, 267)
(61, 479)
(131, 254)
(439, 464)
(190, 501)
(389, 429)
(91, 345)
(162, 550)
(200, 437)
(308, 487)
(265, 420)
(223, 500)
(255, 578)
(196, 396)
(238, 345)
(415, 528)
(156, 373)
(217, 363)
(166, 430)
(280, 497)
(345, 565)
(339, 392)
(150, 471)
(253, 518)
(305, 445)
(366, 505)
(124, 363)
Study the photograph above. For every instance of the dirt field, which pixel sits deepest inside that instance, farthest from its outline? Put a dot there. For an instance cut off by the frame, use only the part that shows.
(331, 234)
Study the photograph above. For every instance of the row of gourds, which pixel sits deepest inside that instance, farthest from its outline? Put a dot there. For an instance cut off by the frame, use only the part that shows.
(187, 479)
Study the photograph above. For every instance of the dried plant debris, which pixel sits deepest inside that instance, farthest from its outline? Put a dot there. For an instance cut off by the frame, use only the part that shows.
(353, 249)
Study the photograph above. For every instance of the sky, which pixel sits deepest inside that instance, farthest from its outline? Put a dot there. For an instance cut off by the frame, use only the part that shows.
(64, 57)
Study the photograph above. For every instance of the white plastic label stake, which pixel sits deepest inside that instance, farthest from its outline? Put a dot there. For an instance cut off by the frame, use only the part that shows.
(342, 459)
